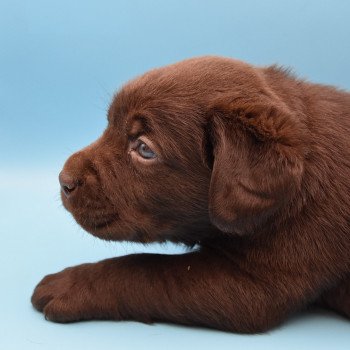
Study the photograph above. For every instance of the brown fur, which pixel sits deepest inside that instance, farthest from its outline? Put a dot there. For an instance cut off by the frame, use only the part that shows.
(253, 168)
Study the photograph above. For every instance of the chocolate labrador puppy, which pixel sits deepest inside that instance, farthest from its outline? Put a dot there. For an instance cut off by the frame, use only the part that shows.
(248, 165)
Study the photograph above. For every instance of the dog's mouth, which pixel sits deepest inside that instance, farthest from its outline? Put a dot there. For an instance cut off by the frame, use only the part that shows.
(91, 219)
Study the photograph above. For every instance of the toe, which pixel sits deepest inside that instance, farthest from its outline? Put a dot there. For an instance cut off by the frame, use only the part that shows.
(57, 310)
(40, 299)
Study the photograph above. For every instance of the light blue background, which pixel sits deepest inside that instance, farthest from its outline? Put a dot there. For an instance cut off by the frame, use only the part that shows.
(60, 63)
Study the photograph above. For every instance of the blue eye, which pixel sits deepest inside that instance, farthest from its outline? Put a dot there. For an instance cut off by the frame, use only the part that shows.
(144, 151)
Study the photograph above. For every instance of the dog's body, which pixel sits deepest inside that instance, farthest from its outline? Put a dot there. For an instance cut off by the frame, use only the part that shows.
(250, 164)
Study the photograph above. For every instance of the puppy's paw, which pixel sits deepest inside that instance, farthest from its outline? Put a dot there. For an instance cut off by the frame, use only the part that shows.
(73, 294)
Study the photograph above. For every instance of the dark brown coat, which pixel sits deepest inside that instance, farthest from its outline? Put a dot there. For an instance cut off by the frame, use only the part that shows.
(249, 165)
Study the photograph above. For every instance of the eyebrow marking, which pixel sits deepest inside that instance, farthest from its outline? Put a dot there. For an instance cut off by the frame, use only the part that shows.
(136, 126)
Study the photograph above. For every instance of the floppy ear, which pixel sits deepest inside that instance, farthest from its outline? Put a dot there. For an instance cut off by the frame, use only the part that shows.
(257, 162)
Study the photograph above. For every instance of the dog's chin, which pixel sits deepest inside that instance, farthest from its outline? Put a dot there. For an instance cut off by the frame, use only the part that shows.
(114, 232)
(112, 229)
(104, 227)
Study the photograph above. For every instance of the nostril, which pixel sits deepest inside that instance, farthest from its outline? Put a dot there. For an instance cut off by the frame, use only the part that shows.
(68, 183)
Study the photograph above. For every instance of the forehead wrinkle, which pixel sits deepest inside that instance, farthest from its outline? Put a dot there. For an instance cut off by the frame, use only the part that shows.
(137, 124)
(118, 107)
(177, 114)
(132, 99)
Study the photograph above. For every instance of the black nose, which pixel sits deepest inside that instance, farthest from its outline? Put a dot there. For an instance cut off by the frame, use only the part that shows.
(68, 183)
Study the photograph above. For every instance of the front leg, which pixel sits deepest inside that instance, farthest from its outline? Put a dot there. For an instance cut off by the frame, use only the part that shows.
(197, 288)
(77, 293)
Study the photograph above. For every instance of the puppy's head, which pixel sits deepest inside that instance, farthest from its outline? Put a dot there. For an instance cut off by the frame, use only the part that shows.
(191, 150)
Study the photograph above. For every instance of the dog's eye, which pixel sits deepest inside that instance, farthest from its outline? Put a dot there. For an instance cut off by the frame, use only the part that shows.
(144, 151)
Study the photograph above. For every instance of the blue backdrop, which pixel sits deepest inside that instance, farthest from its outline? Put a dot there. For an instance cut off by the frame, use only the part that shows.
(60, 63)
